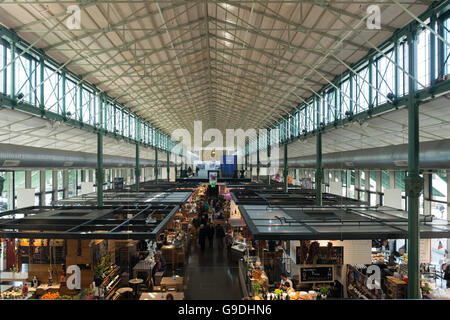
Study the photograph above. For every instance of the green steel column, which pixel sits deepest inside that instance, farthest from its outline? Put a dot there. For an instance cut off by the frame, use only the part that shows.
(63, 89)
(432, 48)
(268, 156)
(156, 165)
(319, 169)
(285, 169)
(168, 165)
(5, 76)
(413, 181)
(396, 69)
(176, 169)
(80, 103)
(13, 70)
(257, 158)
(99, 172)
(246, 159)
(137, 169)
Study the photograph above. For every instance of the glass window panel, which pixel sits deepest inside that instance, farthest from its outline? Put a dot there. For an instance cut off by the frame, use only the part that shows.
(385, 73)
(71, 99)
(51, 89)
(423, 59)
(446, 47)
(345, 96)
(2, 65)
(403, 71)
(362, 86)
(23, 76)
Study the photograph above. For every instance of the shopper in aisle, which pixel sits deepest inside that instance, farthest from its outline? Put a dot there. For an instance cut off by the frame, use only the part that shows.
(220, 234)
(210, 233)
(202, 237)
(204, 219)
(447, 274)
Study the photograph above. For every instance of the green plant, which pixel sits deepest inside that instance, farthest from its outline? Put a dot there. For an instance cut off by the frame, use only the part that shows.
(256, 287)
(278, 292)
(426, 289)
(324, 290)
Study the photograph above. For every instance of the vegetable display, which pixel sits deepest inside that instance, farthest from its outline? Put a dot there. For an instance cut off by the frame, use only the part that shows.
(50, 296)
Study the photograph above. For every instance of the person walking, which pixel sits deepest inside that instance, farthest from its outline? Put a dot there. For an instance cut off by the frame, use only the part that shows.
(220, 234)
(202, 237)
(210, 234)
(446, 276)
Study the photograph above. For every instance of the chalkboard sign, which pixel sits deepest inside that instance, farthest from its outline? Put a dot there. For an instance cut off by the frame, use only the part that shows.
(311, 274)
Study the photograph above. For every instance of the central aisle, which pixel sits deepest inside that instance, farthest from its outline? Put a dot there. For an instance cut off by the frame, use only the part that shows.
(210, 275)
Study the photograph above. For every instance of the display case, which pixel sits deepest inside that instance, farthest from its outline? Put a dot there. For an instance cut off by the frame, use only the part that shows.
(238, 249)
(110, 282)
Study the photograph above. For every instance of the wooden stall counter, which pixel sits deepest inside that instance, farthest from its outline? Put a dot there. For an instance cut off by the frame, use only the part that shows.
(161, 295)
(170, 282)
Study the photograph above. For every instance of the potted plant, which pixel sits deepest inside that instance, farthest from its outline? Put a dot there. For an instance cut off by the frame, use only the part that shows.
(13, 270)
(256, 288)
(324, 292)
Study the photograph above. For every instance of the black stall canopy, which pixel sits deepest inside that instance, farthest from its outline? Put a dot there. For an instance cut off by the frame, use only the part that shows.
(335, 223)
(296, 197)
(115, 198)
(87, 222)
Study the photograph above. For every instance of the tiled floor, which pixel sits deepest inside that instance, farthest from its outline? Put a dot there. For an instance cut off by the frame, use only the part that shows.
(210, 275)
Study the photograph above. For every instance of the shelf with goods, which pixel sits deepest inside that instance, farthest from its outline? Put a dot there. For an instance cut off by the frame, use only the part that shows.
(357, 280)
(380, 257)
(111, 281)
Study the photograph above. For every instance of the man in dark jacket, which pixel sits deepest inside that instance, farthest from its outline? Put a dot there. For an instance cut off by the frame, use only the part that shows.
(202, 237)
(220, 234)
(210, 234)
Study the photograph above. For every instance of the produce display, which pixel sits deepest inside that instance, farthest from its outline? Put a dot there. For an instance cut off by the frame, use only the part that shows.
(50, 296)
(11, 295)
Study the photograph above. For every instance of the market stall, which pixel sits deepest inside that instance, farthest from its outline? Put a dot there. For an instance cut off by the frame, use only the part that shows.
(82, 252)
(338, 268)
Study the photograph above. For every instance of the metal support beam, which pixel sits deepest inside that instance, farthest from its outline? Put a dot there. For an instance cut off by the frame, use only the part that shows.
(42, 187)
(448, 204)
(367, 186)
(99, 172)
(269, 151)
(176, 166)
(413, 181)
(319, 169)
(156, 165)
(65, 173)
(285, 169)
(378, 186)
(54, 185)
(258, 165)
(357, 184)
(168, 165)
(27, 179)
(137, 169)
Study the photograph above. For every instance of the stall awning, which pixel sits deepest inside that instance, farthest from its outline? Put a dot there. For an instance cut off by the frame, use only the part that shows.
(294, 197)
(117, 198)
(87, 222)
(335, 223)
